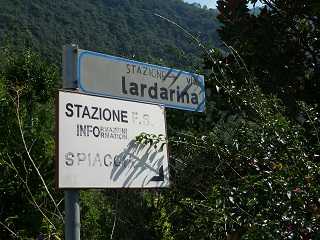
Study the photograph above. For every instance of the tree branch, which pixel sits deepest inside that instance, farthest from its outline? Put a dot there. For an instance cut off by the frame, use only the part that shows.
(29, 156)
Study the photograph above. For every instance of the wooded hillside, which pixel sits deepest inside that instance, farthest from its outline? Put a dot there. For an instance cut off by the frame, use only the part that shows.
(130, 28)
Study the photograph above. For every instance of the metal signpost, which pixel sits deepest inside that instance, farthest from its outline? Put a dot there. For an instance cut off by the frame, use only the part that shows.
(95, 142)
(71, 196)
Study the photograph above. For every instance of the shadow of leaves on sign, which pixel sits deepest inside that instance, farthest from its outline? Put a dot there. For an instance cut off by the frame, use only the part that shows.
(136, 160)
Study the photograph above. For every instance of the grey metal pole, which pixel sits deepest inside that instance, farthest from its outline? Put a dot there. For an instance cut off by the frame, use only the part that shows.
(71, 197)
(69, 66)
(72, 215)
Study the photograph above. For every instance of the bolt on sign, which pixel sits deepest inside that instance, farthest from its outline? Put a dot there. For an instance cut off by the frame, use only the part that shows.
(97, 147)
(127, 79)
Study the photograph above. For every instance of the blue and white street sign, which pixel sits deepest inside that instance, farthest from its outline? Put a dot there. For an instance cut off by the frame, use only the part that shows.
(122, 78)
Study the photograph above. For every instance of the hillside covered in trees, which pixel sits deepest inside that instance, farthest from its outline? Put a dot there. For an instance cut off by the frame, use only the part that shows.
(132, 28)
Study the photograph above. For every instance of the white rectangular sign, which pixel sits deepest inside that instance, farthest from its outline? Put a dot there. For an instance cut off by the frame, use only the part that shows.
(127, 79)
(97, 147)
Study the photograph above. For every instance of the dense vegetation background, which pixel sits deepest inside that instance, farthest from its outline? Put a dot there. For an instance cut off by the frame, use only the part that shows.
(247, 168)
(126, 28)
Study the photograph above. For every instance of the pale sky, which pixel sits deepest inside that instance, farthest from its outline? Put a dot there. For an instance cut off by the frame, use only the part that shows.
(211, 3)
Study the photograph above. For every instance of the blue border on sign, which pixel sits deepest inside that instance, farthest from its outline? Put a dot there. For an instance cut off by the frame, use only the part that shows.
(199, 108)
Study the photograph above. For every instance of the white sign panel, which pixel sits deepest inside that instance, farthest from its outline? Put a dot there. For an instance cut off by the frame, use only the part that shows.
(126, 79)
(97, 147)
